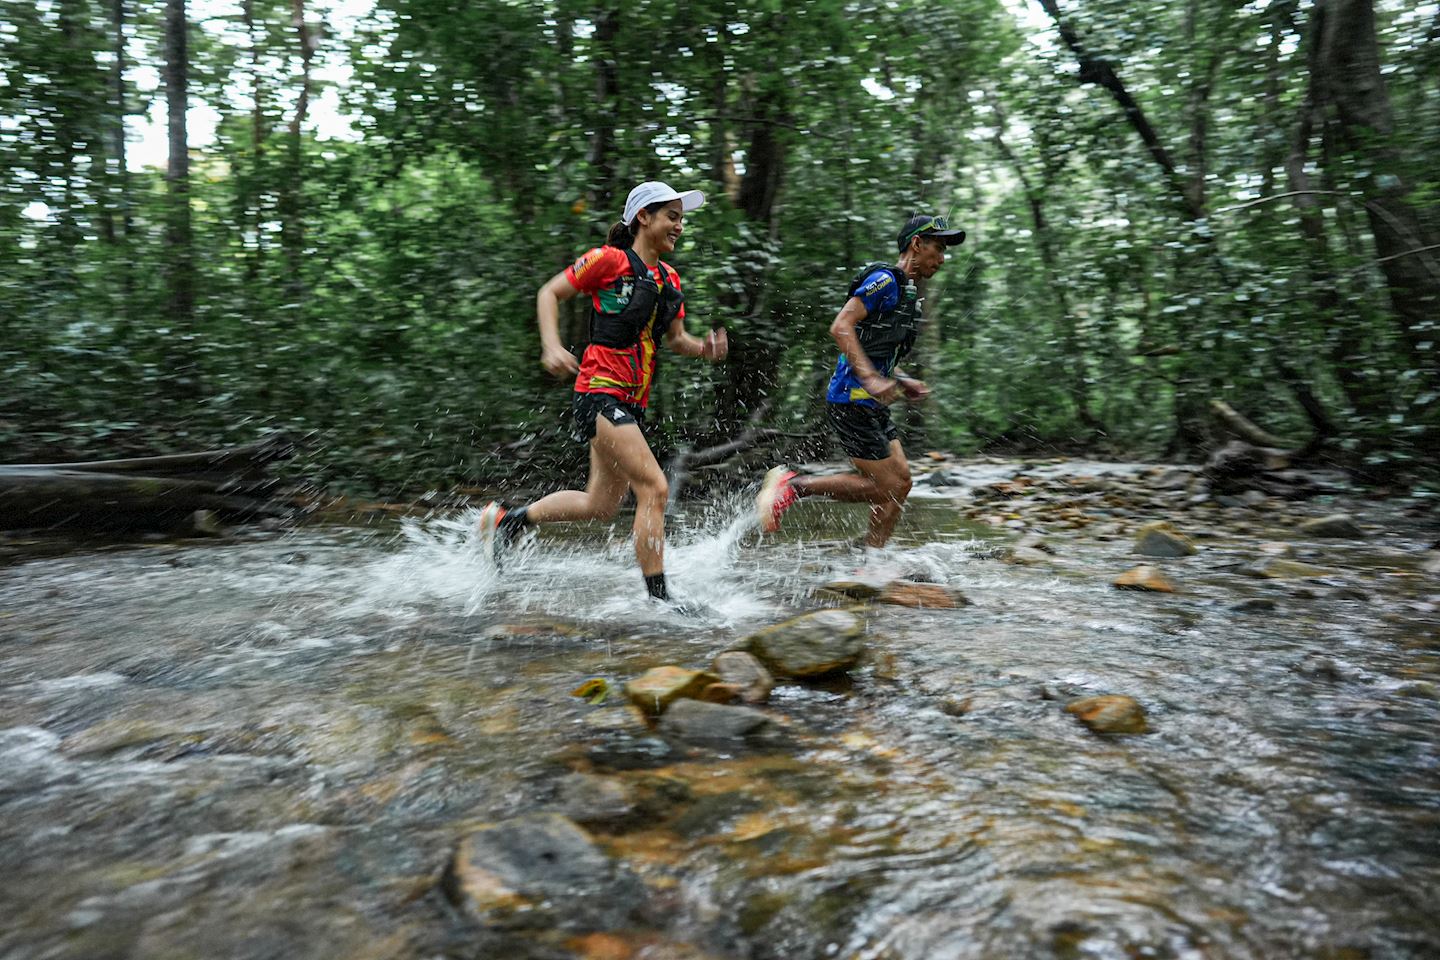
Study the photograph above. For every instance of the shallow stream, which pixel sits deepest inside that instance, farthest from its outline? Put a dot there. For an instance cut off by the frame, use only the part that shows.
(271, 746)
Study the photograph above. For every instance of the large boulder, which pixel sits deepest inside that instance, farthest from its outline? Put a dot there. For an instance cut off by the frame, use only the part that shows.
(541, 872)
(811, 644)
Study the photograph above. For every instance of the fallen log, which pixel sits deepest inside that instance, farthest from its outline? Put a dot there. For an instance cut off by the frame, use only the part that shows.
(142, 494)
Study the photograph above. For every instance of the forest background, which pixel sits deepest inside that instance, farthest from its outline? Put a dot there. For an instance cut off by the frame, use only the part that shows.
(1167, 203)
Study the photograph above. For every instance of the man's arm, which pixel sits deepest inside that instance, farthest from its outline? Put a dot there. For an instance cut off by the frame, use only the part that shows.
(842, 331)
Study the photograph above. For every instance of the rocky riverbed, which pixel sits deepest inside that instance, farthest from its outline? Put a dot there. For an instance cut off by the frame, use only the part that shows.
(359, 740)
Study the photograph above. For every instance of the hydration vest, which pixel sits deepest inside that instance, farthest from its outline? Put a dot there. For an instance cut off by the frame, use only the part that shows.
(652, 305)
(888, 337)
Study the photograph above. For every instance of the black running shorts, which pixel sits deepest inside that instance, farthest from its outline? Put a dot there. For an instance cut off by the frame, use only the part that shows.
(587, 406)
(864, 432)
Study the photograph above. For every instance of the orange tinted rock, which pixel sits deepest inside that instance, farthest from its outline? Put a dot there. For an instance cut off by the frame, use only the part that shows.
(907, 593)
(1110, 714)
(655, 689)
(1144, 578)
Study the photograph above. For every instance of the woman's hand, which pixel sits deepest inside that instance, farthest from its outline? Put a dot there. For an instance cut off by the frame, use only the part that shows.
(559, 362)
(717, 346)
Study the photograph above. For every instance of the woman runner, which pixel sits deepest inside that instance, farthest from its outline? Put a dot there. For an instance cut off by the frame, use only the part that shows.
(635, 300)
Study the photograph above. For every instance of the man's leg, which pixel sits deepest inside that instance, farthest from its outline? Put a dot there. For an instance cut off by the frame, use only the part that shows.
(884, 484)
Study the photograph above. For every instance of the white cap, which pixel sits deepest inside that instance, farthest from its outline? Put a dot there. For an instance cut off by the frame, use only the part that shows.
(653, 191)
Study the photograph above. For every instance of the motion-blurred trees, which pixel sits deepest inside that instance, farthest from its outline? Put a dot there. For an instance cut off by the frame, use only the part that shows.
(1165, 204)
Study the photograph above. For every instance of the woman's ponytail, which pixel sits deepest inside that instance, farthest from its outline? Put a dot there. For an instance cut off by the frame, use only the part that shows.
(620, 236)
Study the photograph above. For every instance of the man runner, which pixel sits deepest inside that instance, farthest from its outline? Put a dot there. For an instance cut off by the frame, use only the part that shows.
(874, 331)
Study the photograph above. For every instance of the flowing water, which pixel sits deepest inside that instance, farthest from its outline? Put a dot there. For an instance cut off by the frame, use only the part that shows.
(271, 747)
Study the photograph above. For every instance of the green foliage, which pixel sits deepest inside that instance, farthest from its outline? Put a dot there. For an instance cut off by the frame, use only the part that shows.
(376, 292)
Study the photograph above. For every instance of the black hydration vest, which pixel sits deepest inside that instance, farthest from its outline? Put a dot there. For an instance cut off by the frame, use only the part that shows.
(888, 337)
(653, 305)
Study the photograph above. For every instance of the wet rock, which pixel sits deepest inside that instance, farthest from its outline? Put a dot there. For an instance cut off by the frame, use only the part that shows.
(541, 872)
(1160, 539)
(1420, 689)
(204, 523)
(1144, 578)
(1028, 557)
(931, 596)
(859, 585)
(1318, 667)
(1255, 605)
(1036, 542)
(693, 720)
(1350, 593)
(1340, 526)
(956, 706)
(1110, 714)
(745, 671)
(1276, 548)
(1431, 564)
(589, 799)
(656, 689)
(1278, 568)
(810, 645)
(1174, 479)
(940, 478)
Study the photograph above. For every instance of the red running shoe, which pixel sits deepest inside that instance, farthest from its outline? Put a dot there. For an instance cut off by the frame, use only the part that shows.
(777, 494)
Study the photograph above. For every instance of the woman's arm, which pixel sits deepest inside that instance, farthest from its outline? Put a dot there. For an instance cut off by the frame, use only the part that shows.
(554, 357)
(714, 347)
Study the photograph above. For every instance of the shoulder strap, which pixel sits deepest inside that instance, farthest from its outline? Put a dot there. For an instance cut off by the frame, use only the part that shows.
(870, 268)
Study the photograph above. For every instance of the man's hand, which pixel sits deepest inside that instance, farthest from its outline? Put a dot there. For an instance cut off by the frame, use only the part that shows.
(717, 346)
(881, 388)
(915, 390)
(559, 362)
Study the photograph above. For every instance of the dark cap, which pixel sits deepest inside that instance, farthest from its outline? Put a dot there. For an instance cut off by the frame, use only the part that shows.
(924, 225)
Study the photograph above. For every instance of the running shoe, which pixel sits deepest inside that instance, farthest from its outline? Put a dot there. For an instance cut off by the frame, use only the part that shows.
(777, 494)
(488, 526)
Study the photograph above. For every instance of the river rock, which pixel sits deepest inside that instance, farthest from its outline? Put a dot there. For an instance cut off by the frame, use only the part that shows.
(1278, 568)
(1420, 689)
(1340, 526)
(656, 689)
(1431, 564)
(1110, 714)
(811, 644)
(1255, 605)
(1028, 557)
(541, 871)
(746, 672)
(1144, 578)
(932, 596)
(1160, 539)
(590, 799)
(694, 720)
(860, 585)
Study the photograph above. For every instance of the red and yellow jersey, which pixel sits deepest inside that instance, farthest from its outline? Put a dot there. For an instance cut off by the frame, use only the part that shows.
(605, 274)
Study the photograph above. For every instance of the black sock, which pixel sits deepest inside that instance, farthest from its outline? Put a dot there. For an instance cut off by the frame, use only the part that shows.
(513, 524)
(655, 586)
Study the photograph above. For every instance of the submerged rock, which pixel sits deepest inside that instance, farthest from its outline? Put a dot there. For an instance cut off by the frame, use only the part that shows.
(1255, 605)
(1110, 714)
(745, 671)
(1160, 539)
(1340, 526)
(656, 689)
(1144, 578)
(811, 644)
(1278, 568)
(693, 720)
(541, 871)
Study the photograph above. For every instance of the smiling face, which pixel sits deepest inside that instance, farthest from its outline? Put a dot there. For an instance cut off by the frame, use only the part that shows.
(661, 228)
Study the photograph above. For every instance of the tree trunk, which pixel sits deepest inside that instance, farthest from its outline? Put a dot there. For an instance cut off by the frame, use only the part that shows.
(1348, 70)
(179, 256)
(292, 213)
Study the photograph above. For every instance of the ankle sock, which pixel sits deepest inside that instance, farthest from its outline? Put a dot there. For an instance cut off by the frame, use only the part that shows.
(655, 586)
(513, 524)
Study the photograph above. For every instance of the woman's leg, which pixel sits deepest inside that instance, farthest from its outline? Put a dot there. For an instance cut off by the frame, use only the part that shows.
(598, 501)
(623, 449)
